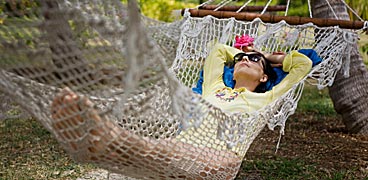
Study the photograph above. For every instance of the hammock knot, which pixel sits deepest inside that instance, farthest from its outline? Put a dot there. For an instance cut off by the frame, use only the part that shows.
(365, 27)
(350, 37)
(186, 13)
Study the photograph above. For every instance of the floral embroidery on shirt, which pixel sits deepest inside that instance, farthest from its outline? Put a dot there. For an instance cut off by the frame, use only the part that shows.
(226, 95)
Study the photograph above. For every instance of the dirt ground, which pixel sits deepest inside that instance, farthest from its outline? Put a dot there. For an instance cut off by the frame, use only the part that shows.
(321, 142)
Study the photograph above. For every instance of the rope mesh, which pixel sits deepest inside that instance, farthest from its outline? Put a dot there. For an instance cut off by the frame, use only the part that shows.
(128, 106)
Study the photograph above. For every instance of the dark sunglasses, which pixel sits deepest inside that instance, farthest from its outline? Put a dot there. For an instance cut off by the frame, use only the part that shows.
(253, 56)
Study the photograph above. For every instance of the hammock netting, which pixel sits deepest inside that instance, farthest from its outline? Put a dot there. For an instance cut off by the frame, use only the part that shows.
(137, 74)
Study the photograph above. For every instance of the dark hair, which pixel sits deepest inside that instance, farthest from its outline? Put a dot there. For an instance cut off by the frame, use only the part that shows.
(272, 76)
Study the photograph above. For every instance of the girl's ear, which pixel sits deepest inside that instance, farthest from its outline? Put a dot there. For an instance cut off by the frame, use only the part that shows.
(264, 78)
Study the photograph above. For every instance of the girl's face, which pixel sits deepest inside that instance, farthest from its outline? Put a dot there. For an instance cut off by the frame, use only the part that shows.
(250, 65)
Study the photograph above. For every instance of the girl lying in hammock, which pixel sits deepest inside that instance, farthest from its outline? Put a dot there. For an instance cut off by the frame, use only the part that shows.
(245, 43)
(252, 71)
(94, 138)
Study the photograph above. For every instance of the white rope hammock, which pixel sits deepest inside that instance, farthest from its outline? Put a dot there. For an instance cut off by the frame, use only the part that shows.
(138, 77)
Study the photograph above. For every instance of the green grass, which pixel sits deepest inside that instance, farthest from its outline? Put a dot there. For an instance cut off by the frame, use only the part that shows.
(291, 169)
(28, 151)
(281, 168)
(316, 101)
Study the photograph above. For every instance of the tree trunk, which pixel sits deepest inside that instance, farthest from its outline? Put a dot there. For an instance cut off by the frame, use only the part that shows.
(349, 95)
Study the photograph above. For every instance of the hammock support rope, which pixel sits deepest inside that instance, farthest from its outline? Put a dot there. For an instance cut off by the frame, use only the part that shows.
(246, 8)
(269, 18)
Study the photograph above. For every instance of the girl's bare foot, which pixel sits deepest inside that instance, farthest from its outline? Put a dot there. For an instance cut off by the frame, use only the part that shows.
(68, 112)
(79, 125)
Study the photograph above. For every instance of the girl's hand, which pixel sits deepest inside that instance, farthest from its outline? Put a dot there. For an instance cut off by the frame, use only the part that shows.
(275, 58)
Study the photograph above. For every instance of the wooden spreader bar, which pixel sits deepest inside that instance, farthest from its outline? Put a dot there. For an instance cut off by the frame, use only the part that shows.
(269, 18)
(246, 8)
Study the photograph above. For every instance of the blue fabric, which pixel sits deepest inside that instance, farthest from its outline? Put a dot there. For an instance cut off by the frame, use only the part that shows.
(228, 72)
(312, 54)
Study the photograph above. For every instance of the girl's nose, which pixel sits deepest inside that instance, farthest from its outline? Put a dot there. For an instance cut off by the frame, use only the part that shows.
(245, 58)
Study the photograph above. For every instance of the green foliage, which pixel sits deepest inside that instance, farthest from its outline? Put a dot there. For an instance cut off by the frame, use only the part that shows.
(363, 42)
(359, 6)
(162, 9)
(18, 8)
(2, 7)
(296, 8)
(363, 48)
